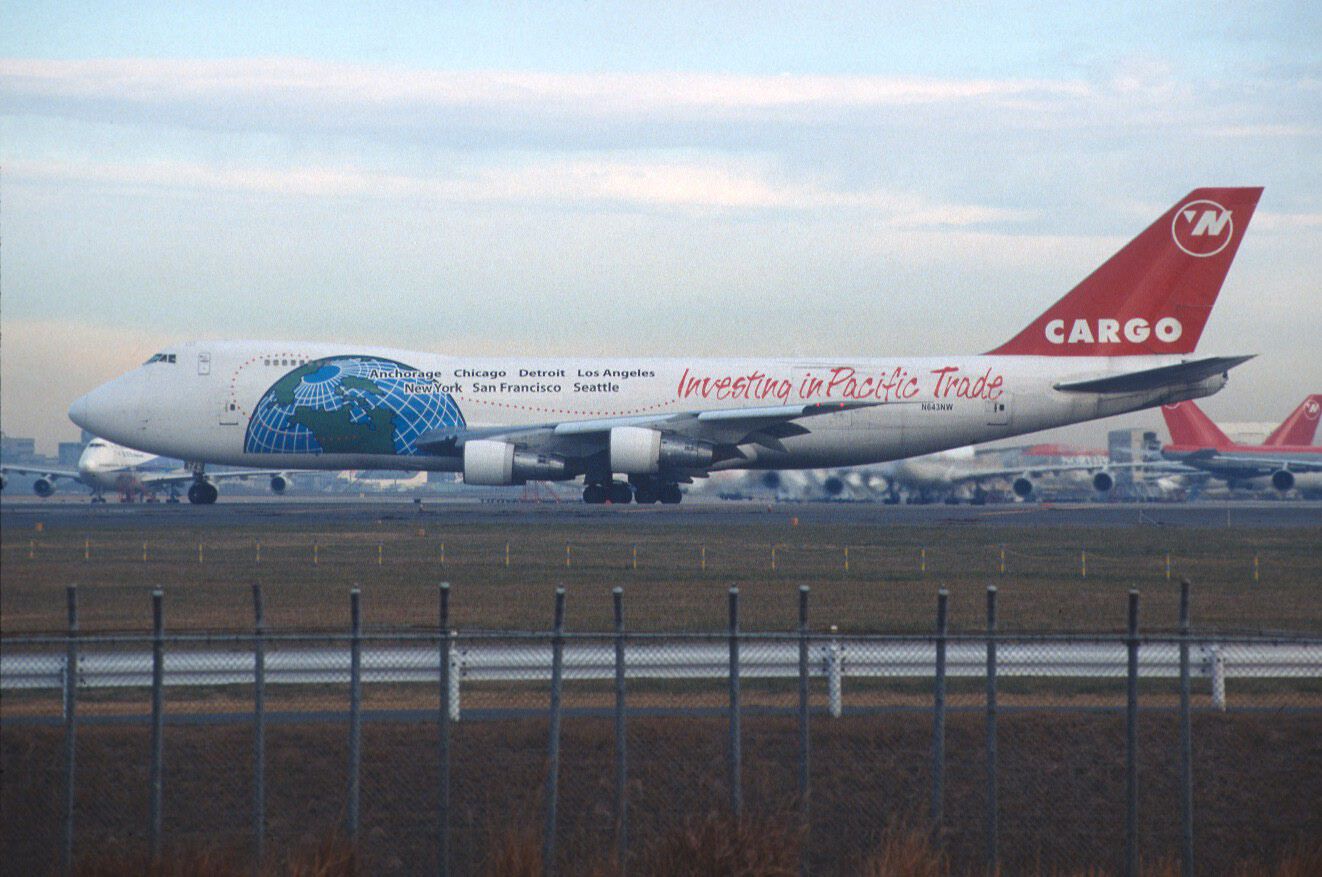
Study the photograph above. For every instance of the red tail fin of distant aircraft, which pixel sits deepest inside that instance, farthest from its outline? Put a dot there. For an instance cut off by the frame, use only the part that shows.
(1154, 296)
(1190, 427)
(1300, 427)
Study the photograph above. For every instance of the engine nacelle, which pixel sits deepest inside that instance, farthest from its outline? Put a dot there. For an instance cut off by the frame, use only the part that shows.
(1282, 480)
(1023, 488)
(495, 463)
(1102, 482)
(44, 487)
(636, 450)
(279, 483)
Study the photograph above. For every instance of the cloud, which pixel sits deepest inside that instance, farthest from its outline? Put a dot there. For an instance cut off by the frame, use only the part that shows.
(718, 181)
(252, 83)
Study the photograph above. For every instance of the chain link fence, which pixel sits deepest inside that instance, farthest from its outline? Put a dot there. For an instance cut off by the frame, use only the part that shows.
(432, 753)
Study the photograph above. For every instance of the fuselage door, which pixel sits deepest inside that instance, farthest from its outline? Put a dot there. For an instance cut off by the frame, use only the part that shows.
(229, 412)
(204, 363)
(998, 411)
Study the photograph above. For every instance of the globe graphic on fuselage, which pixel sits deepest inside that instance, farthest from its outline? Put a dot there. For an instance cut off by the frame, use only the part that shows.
(349, 405)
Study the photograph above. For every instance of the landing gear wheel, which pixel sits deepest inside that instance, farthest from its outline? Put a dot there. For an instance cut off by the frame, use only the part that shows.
(645, 494)
(620, 493)
(202, 493)
(670, 494)
(594, 494)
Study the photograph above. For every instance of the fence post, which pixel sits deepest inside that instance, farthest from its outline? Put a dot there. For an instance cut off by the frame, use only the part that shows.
(70, 725)
(157, 720)
(736, 754)
(939, 715)
(1131, 743)
(259, 730)
(355, 711)
(621, 741)
(553, 743)
(835, 663)
(1218, 662)
(443, 724)
(1186, 740)
(805, 754)
(992, 813)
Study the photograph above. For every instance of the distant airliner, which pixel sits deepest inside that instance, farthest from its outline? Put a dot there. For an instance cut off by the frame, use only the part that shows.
(635, 429)
(132, 474)
(1199, 443)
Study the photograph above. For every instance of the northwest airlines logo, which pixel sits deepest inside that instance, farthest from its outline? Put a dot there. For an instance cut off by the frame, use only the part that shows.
(1311, 409)
(1104, 331)
(1202, 228)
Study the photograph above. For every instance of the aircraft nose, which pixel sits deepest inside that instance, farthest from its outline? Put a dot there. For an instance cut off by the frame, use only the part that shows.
(112, 410)
(78, 411)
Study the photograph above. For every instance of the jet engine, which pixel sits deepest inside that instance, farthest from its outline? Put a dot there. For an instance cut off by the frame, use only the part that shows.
(1282, 480)
(636, 450)
(44, 487)
(279, 483)
(1102, 482)
(493, 463)
(1023, 488)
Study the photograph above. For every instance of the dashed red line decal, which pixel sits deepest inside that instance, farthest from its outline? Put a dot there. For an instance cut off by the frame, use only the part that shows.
(303, 359)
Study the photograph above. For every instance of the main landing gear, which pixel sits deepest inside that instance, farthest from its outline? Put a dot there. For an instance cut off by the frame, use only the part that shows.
(641, 490)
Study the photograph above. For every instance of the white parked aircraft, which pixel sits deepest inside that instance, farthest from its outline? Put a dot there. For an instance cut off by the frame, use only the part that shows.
(105, 466)
(1120, 341)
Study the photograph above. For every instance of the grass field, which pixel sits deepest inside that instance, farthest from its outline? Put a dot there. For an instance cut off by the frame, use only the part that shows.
(863, 578)
(1258, 772)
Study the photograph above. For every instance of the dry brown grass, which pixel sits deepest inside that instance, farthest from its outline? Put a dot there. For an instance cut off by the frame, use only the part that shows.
(720, 845)
(710, 846)
(331, 856)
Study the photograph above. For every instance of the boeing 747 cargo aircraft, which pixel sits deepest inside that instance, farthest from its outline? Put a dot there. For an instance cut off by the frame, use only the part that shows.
(635, 429)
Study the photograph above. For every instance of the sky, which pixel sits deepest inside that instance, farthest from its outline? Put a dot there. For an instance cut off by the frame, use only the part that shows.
(635, 178)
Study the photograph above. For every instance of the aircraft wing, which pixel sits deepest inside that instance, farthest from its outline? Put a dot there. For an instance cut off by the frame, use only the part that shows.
(578, 438)
(161, 479)
(1155, 378)
(1246, 465)
(45, 473)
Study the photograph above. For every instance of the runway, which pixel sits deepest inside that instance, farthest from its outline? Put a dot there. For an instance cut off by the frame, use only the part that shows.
(23, 514)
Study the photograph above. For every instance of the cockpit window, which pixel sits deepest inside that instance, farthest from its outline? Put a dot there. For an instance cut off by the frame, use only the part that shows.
(161, 357)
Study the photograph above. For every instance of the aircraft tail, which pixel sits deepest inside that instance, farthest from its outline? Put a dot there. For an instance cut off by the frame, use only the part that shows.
(1154, 296)
(1301, 426)
(1190, 427)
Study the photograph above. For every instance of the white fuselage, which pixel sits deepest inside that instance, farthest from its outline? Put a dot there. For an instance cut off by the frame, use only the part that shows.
(210, 401)
(107, 466)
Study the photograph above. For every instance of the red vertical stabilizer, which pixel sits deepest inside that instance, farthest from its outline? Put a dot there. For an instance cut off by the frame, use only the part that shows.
(1300, 427)
(1191, 428)
(1155, 295)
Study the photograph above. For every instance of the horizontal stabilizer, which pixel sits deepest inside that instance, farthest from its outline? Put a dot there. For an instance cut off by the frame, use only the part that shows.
(1156, 378)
